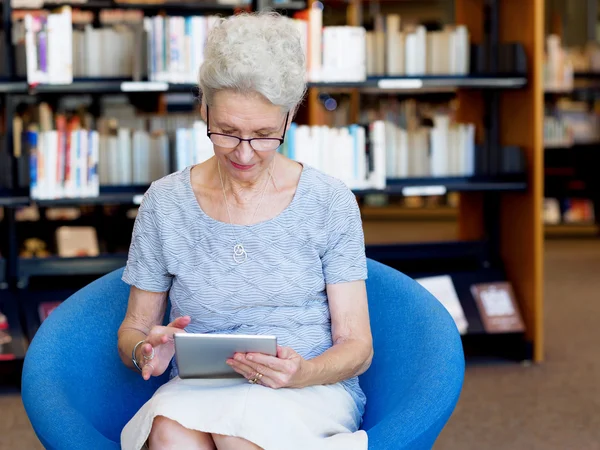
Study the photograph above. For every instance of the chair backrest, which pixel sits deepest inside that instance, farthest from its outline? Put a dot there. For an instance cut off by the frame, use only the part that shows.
(417, 348)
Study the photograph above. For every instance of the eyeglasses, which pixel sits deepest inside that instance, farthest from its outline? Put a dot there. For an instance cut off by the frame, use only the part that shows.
(258, 144)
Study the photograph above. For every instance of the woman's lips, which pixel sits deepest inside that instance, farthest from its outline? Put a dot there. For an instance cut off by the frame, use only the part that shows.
(241, 166)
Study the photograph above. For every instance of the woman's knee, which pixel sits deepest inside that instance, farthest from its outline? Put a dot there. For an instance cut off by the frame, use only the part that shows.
(233, 443)
(169, 434)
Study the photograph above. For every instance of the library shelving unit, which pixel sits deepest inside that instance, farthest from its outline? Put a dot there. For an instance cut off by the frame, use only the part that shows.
(571, 169)
(500, 227)
(500, 216)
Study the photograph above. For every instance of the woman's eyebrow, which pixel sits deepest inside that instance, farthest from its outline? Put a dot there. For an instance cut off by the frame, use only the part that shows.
(227, 126)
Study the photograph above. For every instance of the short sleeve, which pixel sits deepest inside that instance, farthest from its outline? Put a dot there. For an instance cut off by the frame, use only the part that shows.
(146, 266)
(344, 258)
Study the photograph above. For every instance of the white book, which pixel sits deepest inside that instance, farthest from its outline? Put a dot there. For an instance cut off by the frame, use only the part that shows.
(402, 162)
(469, 155)
(442, 288)
(321, 149)
(60, 32)
(362, 157)
(181, 149)
(378, 180)
(315, 24)
(141, 168)
(94, 181)
(83, 162)
(124, 168)
(393, 52)
(421, 51)
(158, 29)
(440, 137)
(346, 155)
(103, 164)
(113, 160)
(391, 152)
(462, 45)
(51, 152)
(411, 58)
(34, 74)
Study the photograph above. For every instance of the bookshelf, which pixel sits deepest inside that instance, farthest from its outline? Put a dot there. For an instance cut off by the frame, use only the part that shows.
(501, 228)
(571, 138)
(506, 108)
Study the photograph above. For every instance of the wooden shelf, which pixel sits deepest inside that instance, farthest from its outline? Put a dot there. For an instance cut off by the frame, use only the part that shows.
(572, 230)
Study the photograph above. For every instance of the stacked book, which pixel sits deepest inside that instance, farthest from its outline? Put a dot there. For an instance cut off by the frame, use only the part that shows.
(396, 50)
(62, 155)
(42, 43)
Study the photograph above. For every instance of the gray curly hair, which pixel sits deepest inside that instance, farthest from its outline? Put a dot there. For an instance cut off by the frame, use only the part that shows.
(255, 53)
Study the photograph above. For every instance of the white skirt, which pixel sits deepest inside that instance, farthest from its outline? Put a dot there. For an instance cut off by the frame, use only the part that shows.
(315, 417)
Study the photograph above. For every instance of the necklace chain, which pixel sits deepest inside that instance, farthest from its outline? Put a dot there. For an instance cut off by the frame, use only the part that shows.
(239, 252)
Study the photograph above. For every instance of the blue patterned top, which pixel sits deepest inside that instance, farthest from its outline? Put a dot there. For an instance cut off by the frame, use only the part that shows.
(279, 290)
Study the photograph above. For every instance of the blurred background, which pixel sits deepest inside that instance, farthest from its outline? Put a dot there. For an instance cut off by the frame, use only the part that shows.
(468, 130)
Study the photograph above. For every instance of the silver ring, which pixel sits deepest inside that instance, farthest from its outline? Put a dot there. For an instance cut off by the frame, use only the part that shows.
(148, 358)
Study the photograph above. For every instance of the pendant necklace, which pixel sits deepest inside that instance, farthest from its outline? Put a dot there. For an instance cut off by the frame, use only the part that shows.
(239, 252)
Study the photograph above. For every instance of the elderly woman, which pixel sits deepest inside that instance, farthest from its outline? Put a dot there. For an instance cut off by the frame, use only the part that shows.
(250, 242)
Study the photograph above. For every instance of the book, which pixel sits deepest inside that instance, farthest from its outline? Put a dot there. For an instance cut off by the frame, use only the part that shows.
(398, 49)
(497, 307)
(442, 288)
(76, 242)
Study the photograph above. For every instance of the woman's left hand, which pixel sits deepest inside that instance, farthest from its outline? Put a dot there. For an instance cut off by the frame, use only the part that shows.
(287, 369)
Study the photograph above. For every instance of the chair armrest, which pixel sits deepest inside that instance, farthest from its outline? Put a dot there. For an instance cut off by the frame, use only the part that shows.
(64, 428)
(417, 420)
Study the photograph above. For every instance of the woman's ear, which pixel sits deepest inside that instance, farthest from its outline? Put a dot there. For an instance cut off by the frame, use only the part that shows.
(203, 111)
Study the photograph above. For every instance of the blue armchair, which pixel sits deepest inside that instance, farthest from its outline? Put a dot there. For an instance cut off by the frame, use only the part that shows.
(79, 395)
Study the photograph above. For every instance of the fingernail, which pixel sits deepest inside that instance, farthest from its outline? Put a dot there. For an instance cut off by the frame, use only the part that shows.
(238, 357)
(229, 363)
(249, 357)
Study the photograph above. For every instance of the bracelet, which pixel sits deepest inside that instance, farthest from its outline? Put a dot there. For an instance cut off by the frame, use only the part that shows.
(135, 363)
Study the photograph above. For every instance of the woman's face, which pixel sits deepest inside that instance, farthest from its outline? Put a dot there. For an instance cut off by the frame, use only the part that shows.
(245, 117)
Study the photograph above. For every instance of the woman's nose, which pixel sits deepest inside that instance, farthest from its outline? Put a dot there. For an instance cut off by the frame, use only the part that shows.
(245, 152)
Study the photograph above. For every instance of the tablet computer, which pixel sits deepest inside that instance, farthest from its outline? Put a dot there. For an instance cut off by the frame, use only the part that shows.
(205, 355)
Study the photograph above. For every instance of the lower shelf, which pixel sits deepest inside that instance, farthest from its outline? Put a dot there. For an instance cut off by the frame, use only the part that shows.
(465, 263)
(572, 230)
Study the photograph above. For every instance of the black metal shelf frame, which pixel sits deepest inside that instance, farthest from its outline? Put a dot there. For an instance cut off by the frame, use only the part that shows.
(57, 266)
(414, 84)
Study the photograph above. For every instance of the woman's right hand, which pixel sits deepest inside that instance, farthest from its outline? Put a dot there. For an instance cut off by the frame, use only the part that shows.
(161, 339)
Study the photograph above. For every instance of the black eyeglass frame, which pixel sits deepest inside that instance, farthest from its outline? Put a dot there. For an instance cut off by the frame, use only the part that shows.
(281, 140)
